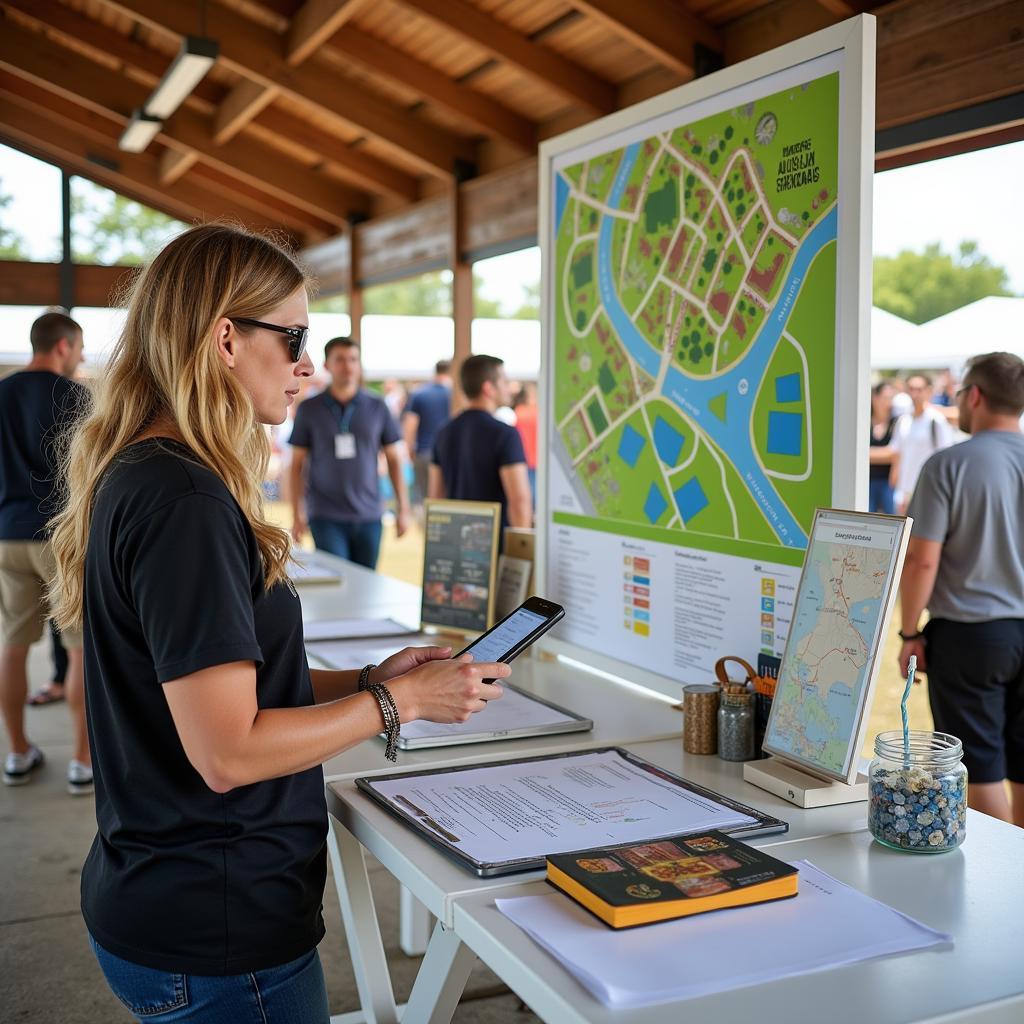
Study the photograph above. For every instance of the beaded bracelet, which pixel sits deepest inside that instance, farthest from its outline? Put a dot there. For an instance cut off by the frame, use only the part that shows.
(364, 677)
(392, 720)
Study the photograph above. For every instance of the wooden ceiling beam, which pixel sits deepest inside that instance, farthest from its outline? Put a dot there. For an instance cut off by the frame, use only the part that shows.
(174, 164)
(314, 23)
(256, 52)
(360, 169)
(103, 131)
(667, 32)
(239, 107)
(29, 54)
(505, 44)
(133, 175)
(490, 116)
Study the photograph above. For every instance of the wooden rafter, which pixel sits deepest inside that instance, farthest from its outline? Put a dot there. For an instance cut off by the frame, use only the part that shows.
(238, 108)
(505, 44)
(238, 200)
(666, 31)
(28, 54)
(255, 52)
(486, 113)
(174, 164)
(136, 176)
(314, 23)
(360, 169)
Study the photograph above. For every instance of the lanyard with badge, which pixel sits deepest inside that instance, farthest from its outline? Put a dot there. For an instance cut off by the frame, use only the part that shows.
(344, 439)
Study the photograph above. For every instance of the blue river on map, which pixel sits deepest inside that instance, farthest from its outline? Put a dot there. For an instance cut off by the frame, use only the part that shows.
(693, 395)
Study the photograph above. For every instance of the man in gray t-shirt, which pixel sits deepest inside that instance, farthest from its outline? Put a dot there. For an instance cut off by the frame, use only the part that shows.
(965, 563)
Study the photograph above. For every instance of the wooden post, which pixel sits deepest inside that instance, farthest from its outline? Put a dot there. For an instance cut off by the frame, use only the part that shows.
(462, 285)
(67, 266)
(354, 288)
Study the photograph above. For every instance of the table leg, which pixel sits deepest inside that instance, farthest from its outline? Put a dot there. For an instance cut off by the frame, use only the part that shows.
(441, 979)
(415, 922)
(366, 947)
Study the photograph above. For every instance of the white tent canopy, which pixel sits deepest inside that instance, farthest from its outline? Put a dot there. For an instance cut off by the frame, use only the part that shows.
(991, 324)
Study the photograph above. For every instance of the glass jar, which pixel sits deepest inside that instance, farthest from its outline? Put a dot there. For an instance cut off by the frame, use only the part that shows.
(918, 801)
(736, 725)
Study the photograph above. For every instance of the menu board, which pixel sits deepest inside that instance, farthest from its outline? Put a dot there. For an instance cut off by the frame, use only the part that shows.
(459, 565)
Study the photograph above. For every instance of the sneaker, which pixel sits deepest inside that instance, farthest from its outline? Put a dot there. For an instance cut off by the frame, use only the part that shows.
(79, 778)
(18, 768)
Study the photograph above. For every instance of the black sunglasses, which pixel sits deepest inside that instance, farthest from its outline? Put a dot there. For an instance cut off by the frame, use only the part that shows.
(297, 336)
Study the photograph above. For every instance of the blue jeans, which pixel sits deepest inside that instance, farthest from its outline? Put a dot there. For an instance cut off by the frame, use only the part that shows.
(358, 542)
(881, 497)
(294, 993)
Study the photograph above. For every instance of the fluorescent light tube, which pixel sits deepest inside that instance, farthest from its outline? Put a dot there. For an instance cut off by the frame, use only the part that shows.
(139, 132)
(196, 57)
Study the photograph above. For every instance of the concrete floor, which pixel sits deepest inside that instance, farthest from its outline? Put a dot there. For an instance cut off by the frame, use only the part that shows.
(47, 971)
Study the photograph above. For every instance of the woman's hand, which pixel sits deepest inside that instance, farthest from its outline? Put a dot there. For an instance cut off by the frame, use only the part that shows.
(406, 660)
(447, 690)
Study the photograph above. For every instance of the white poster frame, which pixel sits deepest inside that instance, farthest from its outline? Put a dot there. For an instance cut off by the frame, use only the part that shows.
(854, 43)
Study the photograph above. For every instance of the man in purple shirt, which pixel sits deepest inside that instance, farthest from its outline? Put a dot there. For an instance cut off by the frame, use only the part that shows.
(334, 483)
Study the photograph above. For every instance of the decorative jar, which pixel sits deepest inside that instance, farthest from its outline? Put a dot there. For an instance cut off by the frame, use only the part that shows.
(917, 800)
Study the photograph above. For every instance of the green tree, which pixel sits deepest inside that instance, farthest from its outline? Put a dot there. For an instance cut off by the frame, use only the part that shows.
(12, 245)
(112, 229)
(427, 294)
(920, 286)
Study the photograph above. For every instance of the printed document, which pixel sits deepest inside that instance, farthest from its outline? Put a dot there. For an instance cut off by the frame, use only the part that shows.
(826, 925)
(496, 813)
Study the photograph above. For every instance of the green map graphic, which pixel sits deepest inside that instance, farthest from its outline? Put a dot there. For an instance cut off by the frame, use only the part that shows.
(694, 349)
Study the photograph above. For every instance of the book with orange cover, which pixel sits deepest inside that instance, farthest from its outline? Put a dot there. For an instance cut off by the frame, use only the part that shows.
(641, 883)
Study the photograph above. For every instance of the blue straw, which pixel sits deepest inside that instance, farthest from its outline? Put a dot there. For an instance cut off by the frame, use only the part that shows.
(911, 669)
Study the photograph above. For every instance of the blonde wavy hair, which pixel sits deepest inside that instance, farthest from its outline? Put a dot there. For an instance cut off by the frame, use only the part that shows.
(165, 369)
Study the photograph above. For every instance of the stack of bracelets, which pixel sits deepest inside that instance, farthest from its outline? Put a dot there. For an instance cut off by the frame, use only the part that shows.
(388, 710)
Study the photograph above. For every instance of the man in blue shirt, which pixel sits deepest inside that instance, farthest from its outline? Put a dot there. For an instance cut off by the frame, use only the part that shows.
(335, 442)
(476, 456)
(428, 410)
(34, 404)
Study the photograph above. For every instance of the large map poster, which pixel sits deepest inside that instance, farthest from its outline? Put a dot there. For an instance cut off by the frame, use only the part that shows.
(692, 366)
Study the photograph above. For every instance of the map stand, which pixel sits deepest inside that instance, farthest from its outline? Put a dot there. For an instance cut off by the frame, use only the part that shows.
(802, 788)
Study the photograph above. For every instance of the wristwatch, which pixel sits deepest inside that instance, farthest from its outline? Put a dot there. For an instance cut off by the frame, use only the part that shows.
(909, 636)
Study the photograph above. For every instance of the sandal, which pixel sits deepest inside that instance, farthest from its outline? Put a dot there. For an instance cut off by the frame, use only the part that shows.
(44, 696)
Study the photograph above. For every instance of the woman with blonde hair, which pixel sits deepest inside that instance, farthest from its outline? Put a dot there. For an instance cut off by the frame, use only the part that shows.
(202, 890)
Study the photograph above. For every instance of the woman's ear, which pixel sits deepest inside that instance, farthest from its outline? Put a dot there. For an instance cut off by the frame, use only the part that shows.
(226, 340)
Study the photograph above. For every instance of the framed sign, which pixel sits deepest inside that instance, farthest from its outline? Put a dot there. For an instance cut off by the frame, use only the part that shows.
(460, 561)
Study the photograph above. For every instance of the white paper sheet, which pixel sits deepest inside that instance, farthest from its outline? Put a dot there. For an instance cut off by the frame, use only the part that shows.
(531, 809)
(512, 712)
(339, 654)
(307, 568)
(353, 629)
(826, 925)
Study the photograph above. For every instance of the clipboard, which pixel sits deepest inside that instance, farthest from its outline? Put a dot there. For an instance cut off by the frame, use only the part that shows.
(435, 834)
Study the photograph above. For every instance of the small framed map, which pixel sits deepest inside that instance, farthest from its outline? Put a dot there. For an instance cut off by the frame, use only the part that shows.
(843, 605)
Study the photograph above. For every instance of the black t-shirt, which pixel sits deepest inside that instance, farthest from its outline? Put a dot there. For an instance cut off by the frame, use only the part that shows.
(880, 470)
(34, 405)
(470, 450)
(180, 878)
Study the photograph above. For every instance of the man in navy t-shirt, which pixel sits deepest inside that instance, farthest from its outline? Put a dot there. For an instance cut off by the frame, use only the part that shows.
(477, 457)
(428, 410)
(34, 405)
(335, 441)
